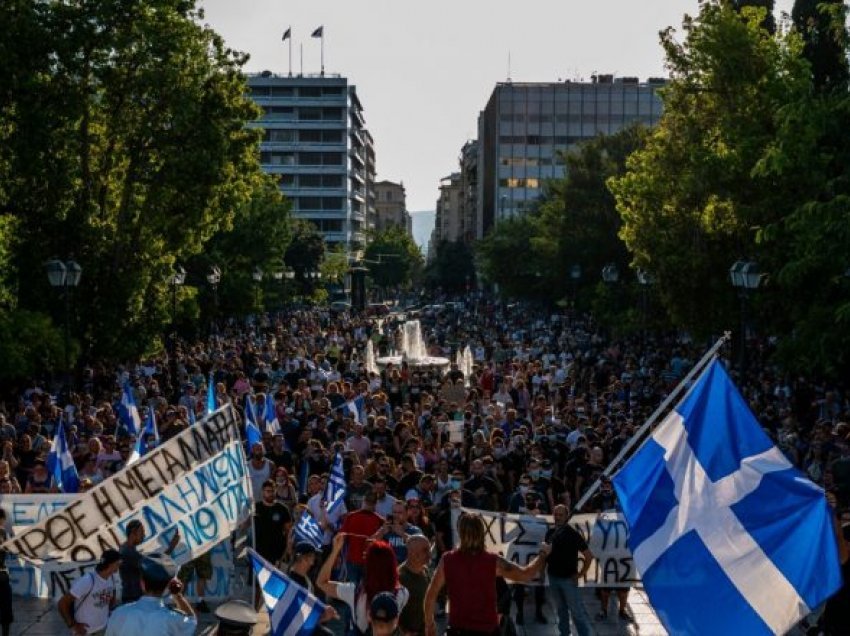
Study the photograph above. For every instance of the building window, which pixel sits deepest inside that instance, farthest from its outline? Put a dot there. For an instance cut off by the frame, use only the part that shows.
(282, 91)
(332, 114)
(309, 114)
(277, 135)
(310, 91)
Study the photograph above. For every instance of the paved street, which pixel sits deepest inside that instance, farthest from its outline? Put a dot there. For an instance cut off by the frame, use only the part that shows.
(38, 617)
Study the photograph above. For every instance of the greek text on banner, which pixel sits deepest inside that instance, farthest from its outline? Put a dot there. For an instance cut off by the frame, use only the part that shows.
(518, 537)
(196, 482)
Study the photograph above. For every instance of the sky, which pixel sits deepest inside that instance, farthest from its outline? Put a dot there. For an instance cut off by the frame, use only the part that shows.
(425, 68)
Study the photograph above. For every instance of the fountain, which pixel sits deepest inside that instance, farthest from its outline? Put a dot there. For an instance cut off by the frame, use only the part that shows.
(468, 362)
(371, 367)
(411, 349)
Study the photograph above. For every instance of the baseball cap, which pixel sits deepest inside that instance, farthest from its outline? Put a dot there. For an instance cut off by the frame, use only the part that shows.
(384, 607)
(303, 548)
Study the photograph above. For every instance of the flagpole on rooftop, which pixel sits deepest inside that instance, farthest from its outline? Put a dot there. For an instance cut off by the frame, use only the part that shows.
(685, 383)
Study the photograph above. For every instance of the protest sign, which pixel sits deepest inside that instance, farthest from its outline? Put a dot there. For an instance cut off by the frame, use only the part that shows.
(23, 511)
(196, 484)
(518, 537)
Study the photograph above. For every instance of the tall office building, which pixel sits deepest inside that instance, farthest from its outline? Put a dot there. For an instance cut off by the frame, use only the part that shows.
(525, 125)
(469, 190)
(316, 144)
(391, 205)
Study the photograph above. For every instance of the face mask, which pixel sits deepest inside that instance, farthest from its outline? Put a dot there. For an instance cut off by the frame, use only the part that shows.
(535, 474)
(546, 473)
(454, 484)
(523, 490)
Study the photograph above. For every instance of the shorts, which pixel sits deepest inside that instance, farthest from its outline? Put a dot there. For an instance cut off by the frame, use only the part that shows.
(202, 566)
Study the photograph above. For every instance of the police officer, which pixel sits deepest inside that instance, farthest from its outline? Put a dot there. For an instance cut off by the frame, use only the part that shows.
(235, 618)
(149, 615)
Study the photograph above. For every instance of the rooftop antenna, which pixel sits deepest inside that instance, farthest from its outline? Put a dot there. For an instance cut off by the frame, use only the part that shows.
(302, 59)
(509, 66)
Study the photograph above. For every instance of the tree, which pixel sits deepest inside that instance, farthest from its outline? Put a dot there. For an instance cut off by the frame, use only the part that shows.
(768, 22)
(305, 252)
(393, 258)
(692, 199)
(452, 268)
(123, 143)
(821, 23)
(578, 222)
(259, 237)
(504, 257)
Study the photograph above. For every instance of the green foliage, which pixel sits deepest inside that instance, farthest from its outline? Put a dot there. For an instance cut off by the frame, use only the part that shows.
(578, 222)
(393, 258)
(124, 144)
(30, 345)
(334, 266)
(692, 199)
(259, 237)
(452, 268)
(504, 257)
(768, 22)
(821, 23)
(305, 252)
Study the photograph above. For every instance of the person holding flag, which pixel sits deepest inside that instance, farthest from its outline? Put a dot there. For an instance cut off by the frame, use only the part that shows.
(328, 506)
(147, 439)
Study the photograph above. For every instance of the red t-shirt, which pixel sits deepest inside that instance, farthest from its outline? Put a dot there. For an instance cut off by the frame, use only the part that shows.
(360, 522)
(471, 584)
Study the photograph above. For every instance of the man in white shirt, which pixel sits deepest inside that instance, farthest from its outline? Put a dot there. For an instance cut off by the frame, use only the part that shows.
(329, 521)
(85, 607)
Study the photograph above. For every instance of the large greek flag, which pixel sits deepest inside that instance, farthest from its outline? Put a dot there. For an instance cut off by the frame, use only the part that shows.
(335, 489)
(308, 529)
(728, 536)
(293, 611)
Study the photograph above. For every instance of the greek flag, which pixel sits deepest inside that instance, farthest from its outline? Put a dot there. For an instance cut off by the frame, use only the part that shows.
(303, 476)
(252, 431)
(210, 395)
(729, 537)
(142, 445)
(335, 490)
(129, 412)
(270, 415)
(308, 529)
(60, 463)
(356, 409)
(293, 611)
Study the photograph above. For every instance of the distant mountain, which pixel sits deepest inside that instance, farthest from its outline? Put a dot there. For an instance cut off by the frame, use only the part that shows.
(423, 225)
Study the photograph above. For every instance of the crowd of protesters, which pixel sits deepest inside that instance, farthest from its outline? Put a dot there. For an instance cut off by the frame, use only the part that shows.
(550, 401)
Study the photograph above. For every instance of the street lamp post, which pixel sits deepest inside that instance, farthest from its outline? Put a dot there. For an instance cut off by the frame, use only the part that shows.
(65, 276)
(746, 278)
(175, 280)
(214, 278)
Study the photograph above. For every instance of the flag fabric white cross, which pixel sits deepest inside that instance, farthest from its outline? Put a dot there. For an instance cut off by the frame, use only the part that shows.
(728, 536)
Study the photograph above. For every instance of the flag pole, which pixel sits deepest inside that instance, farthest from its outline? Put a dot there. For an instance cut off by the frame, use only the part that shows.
(323, 51)
(302, 59)
(290, 50)
(638, 436)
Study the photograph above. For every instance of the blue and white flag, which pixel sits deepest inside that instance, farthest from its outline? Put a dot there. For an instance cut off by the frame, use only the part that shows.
(270, 415)
(129, 412)
(210, 395)
(293, 611)
(60, 463)
(308, 529)
(192, 417)
(252, 430)
(355, 409)
(142, 443)
(335, 490)
(728, 536)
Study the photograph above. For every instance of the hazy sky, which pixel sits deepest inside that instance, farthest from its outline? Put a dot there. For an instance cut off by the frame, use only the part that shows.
(425, 68)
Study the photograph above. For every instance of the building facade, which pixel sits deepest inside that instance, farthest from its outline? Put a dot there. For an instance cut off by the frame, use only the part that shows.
(525, 126)
(316, 144)
(469, 188)
(391, 206)
(448, 223)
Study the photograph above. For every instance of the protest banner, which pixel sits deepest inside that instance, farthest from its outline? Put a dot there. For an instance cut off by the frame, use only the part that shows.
(196, 484)
(517, 538)
(23, 511)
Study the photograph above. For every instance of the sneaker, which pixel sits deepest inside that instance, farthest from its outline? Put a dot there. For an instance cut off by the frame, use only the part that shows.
(602, 615)
(202, 606)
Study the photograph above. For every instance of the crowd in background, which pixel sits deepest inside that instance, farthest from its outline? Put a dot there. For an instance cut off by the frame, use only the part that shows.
(551, 399)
